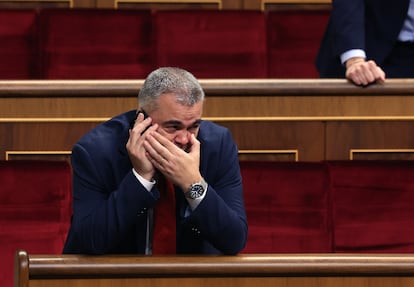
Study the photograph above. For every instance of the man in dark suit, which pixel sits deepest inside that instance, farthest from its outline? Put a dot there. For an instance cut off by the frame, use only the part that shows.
(116, 166)
(368, 40)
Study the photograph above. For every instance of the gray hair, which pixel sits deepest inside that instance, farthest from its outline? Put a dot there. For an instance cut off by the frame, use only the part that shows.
(173, 80)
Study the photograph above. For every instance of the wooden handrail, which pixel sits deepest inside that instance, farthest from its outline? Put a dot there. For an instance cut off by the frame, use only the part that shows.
(240, 266)
(230, 87)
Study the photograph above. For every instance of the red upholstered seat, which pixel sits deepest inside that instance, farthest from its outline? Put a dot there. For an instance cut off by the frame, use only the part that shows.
(35, 210)
(373, 206)
(287, 207)
(17, 43)
(212, 43)
(95, 43)
(294, 37)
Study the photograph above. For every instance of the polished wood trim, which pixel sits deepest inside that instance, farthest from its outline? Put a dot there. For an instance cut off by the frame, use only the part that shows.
(263, 3)
(49, 266)
(229, 87)
(247, 99)
(21, 269)
(218, 2)
(295, 152)
(9, 154)
(352, 152)
(53, 120)
(70, 2)
(223, 119)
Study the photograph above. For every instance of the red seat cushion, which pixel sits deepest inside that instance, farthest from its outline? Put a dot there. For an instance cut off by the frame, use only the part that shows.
(287, 206)
(35, 210)
(373, 206)
(212, 43)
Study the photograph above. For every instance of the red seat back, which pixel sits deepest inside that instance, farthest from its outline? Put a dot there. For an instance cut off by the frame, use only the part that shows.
(373, 206)
(287, 206)
(212, 43)
(18, 28)
(294, 38)
(95, 43)
(35, 210)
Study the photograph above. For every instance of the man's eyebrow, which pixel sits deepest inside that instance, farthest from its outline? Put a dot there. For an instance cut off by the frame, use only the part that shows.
(179, 123)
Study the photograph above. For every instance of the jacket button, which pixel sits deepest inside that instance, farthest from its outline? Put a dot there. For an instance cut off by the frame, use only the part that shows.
(195, 230)
(143, 211)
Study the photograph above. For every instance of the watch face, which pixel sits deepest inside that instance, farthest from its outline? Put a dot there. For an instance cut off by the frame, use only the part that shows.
(196, 191)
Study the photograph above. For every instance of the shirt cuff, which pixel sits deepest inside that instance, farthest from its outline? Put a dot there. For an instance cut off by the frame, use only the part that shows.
(146, 183)
(352, 54)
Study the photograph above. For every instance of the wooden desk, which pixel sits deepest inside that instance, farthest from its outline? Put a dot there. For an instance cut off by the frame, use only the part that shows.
(276, 119)
(291, 270)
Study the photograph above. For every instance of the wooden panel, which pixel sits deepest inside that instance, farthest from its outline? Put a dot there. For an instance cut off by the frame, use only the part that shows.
(36, 3)
(225, 98)
(266, 5)
(385, 139)
(301, 140)
(168, 4)
(40, 140)
(227, 271)
(38, 155)
(227, 4)
(270, 119)
(256, 140)
(381, 154)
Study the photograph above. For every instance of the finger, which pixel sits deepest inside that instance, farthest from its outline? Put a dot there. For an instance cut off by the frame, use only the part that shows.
(141, 123)
(376, 71)
(159, 163)
(369, 77)
(155, 148)
(166, 147)
(356, 79)
(379, 75)
(137, 120)
(194, 143)
(162, 140)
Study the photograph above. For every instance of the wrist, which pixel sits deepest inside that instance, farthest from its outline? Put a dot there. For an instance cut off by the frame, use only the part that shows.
(354, 61)
(196, 190)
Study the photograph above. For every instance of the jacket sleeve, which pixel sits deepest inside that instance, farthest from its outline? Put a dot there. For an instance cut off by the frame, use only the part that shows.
(221, 217)
(104, 212)
(347, 25)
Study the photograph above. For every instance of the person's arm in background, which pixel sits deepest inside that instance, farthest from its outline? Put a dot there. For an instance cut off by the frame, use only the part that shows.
(348, 18)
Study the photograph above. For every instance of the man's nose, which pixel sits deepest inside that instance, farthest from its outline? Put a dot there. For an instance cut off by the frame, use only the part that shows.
(182, 137)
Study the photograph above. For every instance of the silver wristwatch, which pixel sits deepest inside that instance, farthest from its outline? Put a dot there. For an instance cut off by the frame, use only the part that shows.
(196, 189)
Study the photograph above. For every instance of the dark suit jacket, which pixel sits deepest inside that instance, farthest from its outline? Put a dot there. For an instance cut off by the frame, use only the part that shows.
(110, 205)
(371, 25)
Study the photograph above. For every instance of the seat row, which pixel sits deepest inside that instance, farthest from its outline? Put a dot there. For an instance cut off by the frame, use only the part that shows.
(128, 44)
(292, 207)
(329, 206)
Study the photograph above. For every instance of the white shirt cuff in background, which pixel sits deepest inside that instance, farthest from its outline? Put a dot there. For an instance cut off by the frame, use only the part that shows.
(146, 183)
(352, 54)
